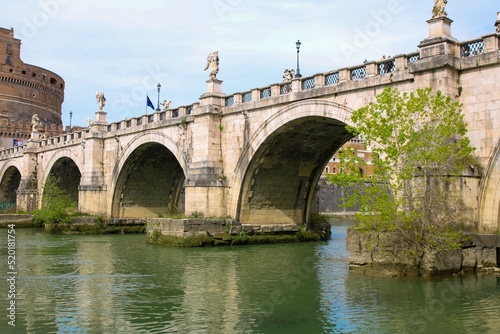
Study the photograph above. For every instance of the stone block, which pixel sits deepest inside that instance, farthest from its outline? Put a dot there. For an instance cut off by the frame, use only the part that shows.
(489, 257)
(360, 258)
(486, 240)
(469, 258)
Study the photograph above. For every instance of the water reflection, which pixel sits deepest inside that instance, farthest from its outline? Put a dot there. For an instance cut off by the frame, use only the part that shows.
(120, 284)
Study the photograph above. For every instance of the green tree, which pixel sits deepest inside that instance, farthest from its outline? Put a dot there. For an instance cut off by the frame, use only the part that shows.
(419, 145)
(56, 204)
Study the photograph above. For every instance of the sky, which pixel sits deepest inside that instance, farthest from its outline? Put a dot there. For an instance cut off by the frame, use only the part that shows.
(125, 47)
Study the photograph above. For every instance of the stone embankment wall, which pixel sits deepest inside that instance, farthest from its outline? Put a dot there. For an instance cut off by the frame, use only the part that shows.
(383, 255)
(190, 227)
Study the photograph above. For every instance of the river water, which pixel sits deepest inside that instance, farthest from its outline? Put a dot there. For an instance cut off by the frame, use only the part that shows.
(121, 284)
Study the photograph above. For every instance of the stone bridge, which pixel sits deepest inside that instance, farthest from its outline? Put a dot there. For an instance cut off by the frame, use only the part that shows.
(256, 156)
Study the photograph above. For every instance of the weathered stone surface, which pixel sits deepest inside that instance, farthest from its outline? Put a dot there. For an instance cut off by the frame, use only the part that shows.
(369, 253)
(489, 257)
(486, 240)
(469, 258)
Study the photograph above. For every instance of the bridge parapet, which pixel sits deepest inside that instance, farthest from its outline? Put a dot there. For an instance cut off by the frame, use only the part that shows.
(162, 118)
(12, 152)
(336, 81)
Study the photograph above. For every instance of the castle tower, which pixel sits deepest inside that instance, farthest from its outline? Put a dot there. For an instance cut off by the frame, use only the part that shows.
(26, 90)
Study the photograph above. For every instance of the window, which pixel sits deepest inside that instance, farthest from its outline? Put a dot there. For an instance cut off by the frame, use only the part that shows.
(498, 257)
(44, 77)
(8, 60)
(9, 49)
(327, 170)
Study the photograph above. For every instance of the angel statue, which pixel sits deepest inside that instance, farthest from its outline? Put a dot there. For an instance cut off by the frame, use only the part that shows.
(36, 124)
(288, 75)
(438, 10)
(166, 104)
(100, 99)
(213, 65)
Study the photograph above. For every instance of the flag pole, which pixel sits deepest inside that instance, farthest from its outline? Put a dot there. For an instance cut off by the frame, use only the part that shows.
(147, 104)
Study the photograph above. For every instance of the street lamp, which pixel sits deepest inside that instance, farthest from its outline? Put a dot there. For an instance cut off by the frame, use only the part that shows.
(158, 106)
(70, 117)
(297, 74)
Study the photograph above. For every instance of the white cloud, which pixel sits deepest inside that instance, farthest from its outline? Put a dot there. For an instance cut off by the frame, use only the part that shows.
(125, 47)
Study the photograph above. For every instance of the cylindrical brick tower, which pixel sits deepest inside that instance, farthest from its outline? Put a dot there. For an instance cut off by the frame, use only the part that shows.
(26, 90)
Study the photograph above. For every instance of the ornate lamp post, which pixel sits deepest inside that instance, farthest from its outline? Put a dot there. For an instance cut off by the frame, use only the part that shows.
(70, 117)
(297, 74)
(158, 106)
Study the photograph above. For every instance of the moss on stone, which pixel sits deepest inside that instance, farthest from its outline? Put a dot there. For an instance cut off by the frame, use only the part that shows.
(226, 239)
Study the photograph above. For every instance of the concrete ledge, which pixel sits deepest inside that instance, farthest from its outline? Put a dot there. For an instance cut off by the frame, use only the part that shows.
(19, 220)
(188, 227)
(197, 232)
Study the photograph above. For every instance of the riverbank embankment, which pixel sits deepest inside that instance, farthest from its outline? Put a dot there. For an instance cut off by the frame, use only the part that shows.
(382, 254)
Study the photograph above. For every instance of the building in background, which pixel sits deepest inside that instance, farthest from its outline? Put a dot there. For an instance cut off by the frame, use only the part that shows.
(363, 152)
(26, 90)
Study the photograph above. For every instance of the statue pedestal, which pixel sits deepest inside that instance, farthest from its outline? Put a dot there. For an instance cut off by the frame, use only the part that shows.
(214, 86)
(100, 116)
(440, 41)
(100, 123)
(440, 27)
(36, 135)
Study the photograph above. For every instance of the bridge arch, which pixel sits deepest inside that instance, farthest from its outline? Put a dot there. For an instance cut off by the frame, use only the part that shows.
(489, 197)
(148, 178)
(280, 166)
(9, 184)
(67, 172)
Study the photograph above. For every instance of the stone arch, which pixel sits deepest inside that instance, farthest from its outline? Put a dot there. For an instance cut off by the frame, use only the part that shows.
(68, 174)
(489, 197)
(9, 184)
(148, 178)
(62, 154)
(287, 154)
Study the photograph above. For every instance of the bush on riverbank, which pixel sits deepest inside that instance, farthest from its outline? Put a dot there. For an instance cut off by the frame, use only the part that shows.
(420, 148)
(57, 207)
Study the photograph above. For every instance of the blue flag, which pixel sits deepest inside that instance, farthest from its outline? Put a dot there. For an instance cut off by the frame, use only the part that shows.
(149, 103)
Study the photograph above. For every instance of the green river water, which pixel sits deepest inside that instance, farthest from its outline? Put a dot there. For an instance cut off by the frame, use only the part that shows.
(121, 284)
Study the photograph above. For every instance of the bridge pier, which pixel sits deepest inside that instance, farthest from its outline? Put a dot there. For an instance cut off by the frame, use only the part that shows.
(27, 198)
(92, 191)
(205, 180)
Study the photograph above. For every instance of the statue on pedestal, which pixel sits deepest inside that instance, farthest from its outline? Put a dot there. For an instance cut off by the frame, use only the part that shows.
(36, 124)
(213, 65)
(438, 10)
(100, 99)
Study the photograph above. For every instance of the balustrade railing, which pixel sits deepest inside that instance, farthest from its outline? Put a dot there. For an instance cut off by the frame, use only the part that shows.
(308, 83)
(247, 97)
(385, 67)
(265, 93)
(332, 78)
(472, 48)
(229, 101)
(358, 73)
(7, 205)
(285, 88)
(413, 58)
